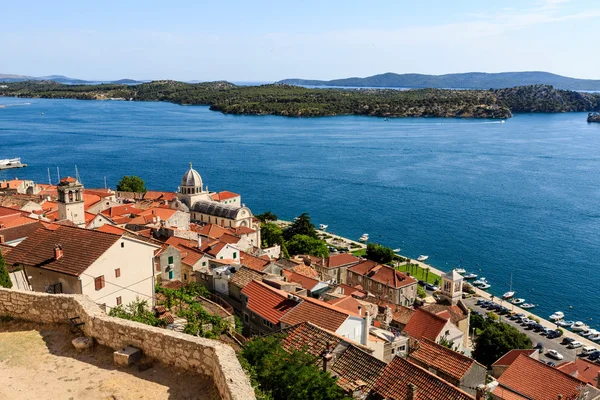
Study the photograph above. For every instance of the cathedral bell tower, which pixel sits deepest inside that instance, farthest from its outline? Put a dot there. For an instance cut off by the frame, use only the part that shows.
(70, 201)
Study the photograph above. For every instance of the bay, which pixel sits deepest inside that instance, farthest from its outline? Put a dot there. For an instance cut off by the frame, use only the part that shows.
(520, 197)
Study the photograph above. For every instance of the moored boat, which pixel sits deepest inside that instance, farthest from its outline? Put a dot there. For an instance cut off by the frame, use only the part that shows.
(508, 295)
(485, 286)
(517, 301)
(579, 326)
(323, 227)
(470, 276)
(422, 258)
(565, 324)
(557, 316)
(364, 237)
(480, 281)
(396, 250)
(527, 306)
(460, 271)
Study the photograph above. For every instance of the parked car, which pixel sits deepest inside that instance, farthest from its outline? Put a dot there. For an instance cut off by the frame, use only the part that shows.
(551, 363)
(423, 283)
(538, 327)
(545, 331)
(567, 340)
(539, 347)
(478, 303)
(554, 354)
(431, 287)
(594, 356)
(553, 334)
(574, 344)
(587, 350)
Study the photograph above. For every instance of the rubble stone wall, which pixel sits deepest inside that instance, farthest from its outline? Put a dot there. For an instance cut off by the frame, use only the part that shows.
(204, 356)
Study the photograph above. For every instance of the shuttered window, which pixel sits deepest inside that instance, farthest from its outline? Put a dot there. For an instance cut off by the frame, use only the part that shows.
(117, 272)
(99, 282)
(119, 301)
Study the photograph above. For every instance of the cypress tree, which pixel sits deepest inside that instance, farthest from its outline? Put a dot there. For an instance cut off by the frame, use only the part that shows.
(4, 277)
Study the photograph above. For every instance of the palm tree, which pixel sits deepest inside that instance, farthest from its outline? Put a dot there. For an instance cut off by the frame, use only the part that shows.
(427, 274)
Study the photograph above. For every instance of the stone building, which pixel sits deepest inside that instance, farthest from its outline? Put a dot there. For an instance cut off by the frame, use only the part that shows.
(70, 201)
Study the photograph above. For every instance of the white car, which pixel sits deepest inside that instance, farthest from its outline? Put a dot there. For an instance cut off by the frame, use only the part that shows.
(574, 345)
(555, 354)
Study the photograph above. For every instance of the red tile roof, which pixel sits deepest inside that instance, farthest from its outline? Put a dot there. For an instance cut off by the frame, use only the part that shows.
(16, 221)
(163, 213)
(539, 381)
(212, 231)
(106, 228)
(268, 302)
(342, 259)
(512, 355)
(347, 303)
(455, 313)
(242, 230)
(443, 359)
(213, 248)
(81, 248)
(582, 369)
(317, 312)
(68, 179)
(153, 195)
(355, 368)
(306, 271)
(244, 276)
(123, 210)
(424, 324)
(20, 231)
(351, 291)
(7, 211)
(400, 314)
(393, 384)
(382, 274)
(304, 281)
(252, 262)
(225, 195)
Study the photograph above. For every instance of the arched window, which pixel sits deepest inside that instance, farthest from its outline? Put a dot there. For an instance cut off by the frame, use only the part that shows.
(70, 196)
(78, 196)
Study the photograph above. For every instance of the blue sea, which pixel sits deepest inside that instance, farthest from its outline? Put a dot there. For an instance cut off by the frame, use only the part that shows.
(520, 197)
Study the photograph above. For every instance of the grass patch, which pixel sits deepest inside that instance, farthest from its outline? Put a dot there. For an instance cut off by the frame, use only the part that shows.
(360, 253)
(420, 273)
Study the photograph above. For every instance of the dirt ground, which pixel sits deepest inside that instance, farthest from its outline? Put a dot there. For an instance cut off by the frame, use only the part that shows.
(38, 362)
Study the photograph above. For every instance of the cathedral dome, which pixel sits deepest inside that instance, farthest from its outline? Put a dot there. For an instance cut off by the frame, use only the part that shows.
(191, 178)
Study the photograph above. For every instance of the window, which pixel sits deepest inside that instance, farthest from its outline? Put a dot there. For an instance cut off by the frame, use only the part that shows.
(170, 259)
(122, 244)
(185, 277)
(268, 324)
(117, 272)
(246, 319)
(204, 263)
(221, 257)
(171, 274)
(234, 255)
(119, 301)
(99, 282)
(402, 348)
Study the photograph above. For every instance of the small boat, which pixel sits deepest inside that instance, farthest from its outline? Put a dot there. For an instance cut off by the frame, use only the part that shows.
(396, 250)
(508, 295)
(323, 227)
(565, 324)
(517, 301)
(422, 258)
(364, 237)
(595, 337)
(527, 306)
(470, 276)
(557, 316)
(480, 281)
(579, 326)
(589, 332)
(485, 286)
(460, 271)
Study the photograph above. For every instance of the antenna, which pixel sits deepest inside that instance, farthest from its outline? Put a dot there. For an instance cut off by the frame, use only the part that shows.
(58, 172)
(49, 180)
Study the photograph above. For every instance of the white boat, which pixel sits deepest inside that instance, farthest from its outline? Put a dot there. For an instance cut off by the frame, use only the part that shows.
(589, 332)
(579, 326)
(470, 276)
(10, 161)
(557, 316)
(396, 250)
(485, 286)
(364, 237)
(594, 338)
(527, 306)
(422, 258)
(460, 271)
(565, 324)
(508, 295)
(518, 301)
(480, 281)
(323, 227)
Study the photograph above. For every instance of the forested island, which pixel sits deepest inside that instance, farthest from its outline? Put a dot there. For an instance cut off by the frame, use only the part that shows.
(294, 101)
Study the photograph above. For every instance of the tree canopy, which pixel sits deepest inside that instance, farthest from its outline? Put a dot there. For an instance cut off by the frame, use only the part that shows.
(267, 216)
(302, 225)
(379, 253)
(289, 376)
(4, 276)
(497, 339)
(303, 244)
(131, 184)
(271, 234)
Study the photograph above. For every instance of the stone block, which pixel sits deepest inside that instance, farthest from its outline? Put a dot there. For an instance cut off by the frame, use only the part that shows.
(82, 343)
(127, 356)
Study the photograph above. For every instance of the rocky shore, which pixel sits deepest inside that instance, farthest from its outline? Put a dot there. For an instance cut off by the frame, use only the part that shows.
(593, 117)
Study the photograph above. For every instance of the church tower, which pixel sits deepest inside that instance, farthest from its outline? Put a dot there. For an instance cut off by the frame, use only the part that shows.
(70, 201)
(190, 190)
(452, 287)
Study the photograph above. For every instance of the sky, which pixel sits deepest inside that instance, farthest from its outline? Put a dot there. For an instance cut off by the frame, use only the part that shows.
(265, 41)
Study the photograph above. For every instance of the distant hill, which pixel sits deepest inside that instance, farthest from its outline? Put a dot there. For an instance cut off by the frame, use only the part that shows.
(469, 80)
(62, 79)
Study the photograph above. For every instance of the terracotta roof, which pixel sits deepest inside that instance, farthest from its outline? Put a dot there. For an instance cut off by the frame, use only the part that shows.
(314, 340)
(582, 369)
(81, 248)
(244, 276)
(153, 195)
(174, 284)
(268, 302)
(306, 271)
(512, 355)
(443, 359)
(351, 291)
(190, 255)
(212, 231)
(454, 312)
(383, 274)
(355, 368)
(7, 211)
(317, 312)
(12, 184)
(15, 221)
(342, 259)
(119, 211)
(68, 179)
(230, 239)
(252, 262)
(424, 324)
(304, 281)
(400, 314)
(242, 230)
(393, 384)
(163, 213)
(526, 375)
(213, 248)
(347, 303)
(20, 231)
(107, 228)
(225, 195)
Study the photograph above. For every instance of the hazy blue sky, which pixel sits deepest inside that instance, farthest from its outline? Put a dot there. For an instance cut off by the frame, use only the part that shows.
(262, 40)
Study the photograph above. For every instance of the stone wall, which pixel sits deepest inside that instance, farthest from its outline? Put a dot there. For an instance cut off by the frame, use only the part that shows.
(204, 356)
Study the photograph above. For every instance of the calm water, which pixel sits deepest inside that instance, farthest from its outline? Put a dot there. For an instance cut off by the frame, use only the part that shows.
(520, 197)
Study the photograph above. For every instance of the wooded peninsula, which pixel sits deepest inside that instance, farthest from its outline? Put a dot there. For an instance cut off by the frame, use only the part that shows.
(295, 101)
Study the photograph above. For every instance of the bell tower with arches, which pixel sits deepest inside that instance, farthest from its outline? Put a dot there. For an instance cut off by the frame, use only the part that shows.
(70, 201)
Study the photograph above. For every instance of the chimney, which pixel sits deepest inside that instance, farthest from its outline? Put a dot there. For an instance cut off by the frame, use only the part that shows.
(199, 241)
(366, 326)
(58, 252)
(360, 311)
(327, 356)
(1, 239)
(412, 392)
(560, 397)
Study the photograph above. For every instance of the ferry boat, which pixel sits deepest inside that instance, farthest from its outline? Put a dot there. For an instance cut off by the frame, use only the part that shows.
(422, 258)
(557, 316)
(461, 271)
(11, 163)
(323, 227)
(527, 306)
(364, 237)
(470, 276)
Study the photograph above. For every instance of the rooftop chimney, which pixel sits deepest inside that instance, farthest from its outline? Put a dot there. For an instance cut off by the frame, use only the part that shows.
(360, 311)
(58, 252)
(367, 325)
(327, 356)
(412, 392)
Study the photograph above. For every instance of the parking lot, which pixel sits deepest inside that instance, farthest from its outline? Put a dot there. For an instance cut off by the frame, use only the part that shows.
(548, 344)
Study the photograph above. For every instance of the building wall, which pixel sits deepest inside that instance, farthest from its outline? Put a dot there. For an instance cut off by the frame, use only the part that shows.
(473, 378)
(203, 356)
(352, 328)
(42, 278)
(403, 296)
(98, 221)
(163, 261)
(180, 219)
(103, 204)
(136, 263)
(455, 336)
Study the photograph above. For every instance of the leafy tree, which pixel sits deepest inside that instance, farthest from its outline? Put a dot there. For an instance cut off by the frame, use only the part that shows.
(421, 293)
(303, 244)
(289, 376)
(301, 226)
(496, 340)
(476, 322)
(271, 234)
(4, 276)
(138, 311)
(379, 253)
(267, 216)
(131, 184)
